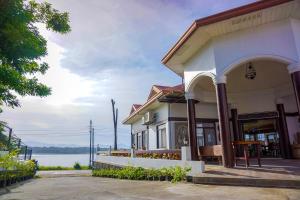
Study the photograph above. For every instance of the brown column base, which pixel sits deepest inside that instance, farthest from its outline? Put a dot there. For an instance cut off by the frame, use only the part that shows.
(224, 126)
(192, 128)
(283, 133)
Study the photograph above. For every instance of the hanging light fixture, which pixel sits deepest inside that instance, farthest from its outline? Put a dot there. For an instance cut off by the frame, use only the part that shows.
(250, 71)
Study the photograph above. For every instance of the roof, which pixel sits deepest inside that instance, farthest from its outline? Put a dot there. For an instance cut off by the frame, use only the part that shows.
(135, 107)
(256, 6)
(156, 92)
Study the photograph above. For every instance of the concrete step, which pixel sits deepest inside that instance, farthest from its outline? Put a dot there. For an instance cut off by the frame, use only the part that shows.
(255, 182)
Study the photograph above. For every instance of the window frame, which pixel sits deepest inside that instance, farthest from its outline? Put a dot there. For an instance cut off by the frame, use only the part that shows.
(158, 138)
(204, 126)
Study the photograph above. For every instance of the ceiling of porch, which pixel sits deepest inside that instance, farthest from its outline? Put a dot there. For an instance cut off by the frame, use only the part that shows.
(269, 75)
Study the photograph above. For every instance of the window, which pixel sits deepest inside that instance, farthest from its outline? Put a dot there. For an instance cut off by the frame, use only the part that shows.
(181, 135)
(135, 140)
(145, 138)
(139, 141)
(162, 136)
(206, 134)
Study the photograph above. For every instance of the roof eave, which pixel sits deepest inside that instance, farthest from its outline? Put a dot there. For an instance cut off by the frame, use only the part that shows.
(152, 100)
(235, 12)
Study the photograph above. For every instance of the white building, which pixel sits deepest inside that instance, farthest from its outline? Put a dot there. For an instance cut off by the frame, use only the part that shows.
(161, 122)
(246, 61)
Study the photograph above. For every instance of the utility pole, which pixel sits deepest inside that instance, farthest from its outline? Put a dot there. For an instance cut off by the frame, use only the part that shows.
(93, 145)
(115, 120)
(9, 137)
(90, 161)
(19, 144)
(30, 154)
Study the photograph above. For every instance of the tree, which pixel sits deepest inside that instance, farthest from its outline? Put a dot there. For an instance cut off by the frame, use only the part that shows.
(115, 120)
(22, 47)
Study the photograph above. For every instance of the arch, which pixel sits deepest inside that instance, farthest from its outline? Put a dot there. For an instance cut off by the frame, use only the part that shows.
(193, 82)
(245, 59)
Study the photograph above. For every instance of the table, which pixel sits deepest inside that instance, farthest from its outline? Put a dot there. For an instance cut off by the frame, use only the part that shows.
(246, 156)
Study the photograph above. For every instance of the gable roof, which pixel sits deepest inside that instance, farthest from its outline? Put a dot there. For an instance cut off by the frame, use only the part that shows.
(156, 92)
(135, 107)
(235, 12)
(159, 88)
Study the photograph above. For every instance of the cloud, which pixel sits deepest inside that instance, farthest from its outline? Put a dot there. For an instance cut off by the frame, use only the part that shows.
(113, 51)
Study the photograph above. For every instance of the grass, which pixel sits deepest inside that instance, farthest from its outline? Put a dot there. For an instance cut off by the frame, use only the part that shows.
(76, 166)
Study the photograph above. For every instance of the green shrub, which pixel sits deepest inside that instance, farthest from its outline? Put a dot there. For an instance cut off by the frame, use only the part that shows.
(174, 174)
(14, 169)
(77, 166)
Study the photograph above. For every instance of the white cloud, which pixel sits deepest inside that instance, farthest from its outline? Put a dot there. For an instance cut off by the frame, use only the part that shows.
(113, 51)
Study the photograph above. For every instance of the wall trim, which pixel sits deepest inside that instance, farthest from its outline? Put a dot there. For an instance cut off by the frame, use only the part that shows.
(257, 116)
(184, 119)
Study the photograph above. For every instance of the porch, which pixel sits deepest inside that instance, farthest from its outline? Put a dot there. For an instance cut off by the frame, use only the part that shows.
(274, 172)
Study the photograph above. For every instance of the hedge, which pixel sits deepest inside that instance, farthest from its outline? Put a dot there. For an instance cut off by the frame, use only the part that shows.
(173, 174)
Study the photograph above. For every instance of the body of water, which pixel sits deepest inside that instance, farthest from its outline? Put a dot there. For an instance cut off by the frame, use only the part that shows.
(66, 160)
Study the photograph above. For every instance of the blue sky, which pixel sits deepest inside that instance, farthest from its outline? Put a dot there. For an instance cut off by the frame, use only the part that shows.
(114, 51)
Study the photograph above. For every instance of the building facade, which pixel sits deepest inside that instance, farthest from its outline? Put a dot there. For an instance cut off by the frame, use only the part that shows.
(246, 62)
(166, 126)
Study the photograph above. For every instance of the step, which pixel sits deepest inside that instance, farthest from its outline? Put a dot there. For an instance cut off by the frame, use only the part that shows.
(255, 182)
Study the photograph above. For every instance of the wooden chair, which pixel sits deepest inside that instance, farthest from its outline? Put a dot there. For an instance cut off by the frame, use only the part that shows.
(214, 151)
(246, 156)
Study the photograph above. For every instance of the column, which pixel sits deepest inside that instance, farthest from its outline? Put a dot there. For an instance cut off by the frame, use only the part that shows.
(224, 124)
(191, 114)
(284, 133)
(235, 125)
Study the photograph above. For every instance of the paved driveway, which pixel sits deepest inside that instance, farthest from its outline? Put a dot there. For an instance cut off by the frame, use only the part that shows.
(90, 188)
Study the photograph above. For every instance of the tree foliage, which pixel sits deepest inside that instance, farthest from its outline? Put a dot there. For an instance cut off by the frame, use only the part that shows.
(22, 47)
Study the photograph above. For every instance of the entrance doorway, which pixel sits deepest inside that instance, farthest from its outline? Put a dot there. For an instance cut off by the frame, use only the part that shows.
(266, 131)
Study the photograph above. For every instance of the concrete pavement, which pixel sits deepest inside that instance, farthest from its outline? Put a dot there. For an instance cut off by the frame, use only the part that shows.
(63, 173)
(90, 188)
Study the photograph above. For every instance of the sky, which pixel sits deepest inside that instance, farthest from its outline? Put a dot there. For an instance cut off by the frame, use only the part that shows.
(113, 51)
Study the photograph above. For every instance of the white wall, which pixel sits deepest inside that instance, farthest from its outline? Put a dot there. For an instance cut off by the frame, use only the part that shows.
(251, 102)
(278, 39)
(162, 113)
(197, 167)
(138, 127)
(203, 110)
(269, 39)
(295, 24)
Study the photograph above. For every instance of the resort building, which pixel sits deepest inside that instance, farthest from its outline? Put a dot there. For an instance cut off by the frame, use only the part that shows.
(245, 62)
(161, 123)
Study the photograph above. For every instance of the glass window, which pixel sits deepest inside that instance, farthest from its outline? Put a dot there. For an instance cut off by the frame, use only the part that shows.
(208, 125)
(210, 137)
(200, 137)
(206, 134)
(162, 137)
(145, 140)
(181, 135)
(140, 142)
(136, 140)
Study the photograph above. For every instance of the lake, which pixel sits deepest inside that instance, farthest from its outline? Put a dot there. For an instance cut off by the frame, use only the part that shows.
(66, 160)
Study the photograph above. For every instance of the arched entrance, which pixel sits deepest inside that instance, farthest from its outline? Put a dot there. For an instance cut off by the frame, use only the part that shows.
(202, 113)
(261, 91)
(255, 100)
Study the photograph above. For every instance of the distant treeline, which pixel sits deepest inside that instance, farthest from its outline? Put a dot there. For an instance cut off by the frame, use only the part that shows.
(63, 150)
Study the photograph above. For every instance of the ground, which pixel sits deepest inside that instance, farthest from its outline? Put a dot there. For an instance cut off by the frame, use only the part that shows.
(52, 186)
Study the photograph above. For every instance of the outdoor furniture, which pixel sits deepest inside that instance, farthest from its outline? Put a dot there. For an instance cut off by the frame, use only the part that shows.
(211, 151)
(246, 157)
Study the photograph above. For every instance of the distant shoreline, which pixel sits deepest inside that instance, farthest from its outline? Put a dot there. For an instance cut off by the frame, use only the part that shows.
(59, 153)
